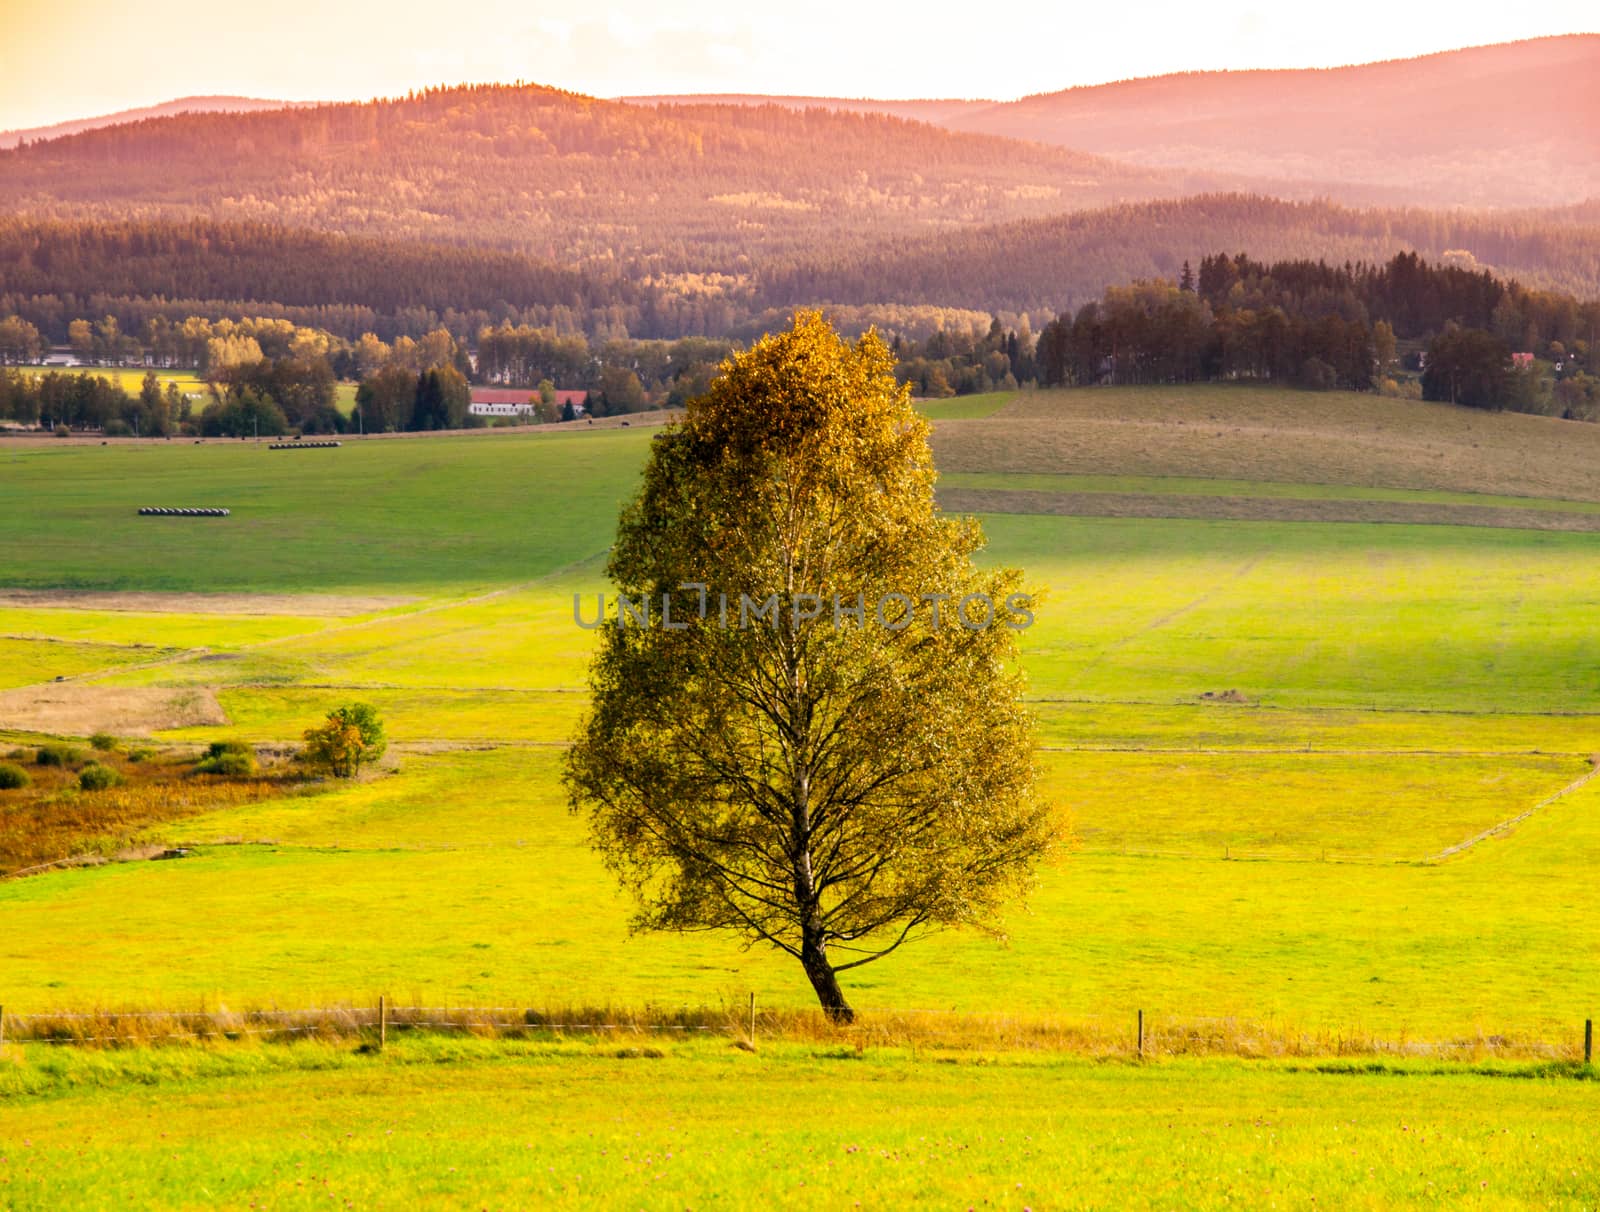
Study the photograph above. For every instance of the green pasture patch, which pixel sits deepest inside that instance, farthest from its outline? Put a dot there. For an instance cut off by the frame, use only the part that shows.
(984, 404)
(380, 514)
(1294, 805)
(147, 629)
(24, 661)
(465, 878)
(1393, 617)
(485, 717)
(1200, 487)
(1199, 726)
(704, 1125)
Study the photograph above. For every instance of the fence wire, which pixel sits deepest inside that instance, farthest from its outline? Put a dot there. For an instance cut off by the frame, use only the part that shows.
(1148, 1035)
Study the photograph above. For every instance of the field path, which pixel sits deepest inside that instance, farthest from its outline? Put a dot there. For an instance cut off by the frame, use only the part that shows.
(1177, 612)
(425, 608)
(1450, 852)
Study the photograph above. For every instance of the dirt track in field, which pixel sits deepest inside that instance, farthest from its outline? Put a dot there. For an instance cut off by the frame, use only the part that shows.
(1257, 509)
(306, 605)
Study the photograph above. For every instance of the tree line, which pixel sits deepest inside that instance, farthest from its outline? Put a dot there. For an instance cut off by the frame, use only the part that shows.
(142, 270)
(1322, 326)
(1402, 326)
(1048, 265)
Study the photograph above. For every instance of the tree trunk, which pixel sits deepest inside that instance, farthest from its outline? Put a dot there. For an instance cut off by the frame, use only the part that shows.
(814, 957)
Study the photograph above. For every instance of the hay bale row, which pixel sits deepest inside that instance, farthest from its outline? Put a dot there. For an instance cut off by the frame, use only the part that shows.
(302, 445)
(150, 511)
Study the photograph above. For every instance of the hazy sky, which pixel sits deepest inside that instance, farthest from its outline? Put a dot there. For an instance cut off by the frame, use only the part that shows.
(73, 58)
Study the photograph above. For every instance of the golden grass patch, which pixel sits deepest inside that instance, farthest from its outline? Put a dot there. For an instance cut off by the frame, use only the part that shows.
(54, 820)
(77, 709)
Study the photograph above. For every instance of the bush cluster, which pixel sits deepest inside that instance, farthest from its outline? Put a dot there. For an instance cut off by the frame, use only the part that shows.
(13, 777)
(95, 777)
(233, 759)
(58, 755)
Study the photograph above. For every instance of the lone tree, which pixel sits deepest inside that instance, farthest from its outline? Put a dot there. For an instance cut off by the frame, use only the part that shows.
(348, 739)
(788, 749)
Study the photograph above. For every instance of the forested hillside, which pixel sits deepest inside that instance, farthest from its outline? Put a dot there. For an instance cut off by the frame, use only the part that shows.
(563, 177)
(54, 272)
(1066, 260)
(183, 105)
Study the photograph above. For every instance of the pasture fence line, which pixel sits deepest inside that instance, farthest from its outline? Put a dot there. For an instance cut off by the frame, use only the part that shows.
(1137, 1035)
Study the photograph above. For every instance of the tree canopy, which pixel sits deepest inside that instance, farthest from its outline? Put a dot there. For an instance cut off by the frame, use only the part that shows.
(810, 740)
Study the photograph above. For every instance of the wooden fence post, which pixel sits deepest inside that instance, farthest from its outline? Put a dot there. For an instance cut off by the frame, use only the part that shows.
(1141, 1033)
(383, 1022)
(1588, 1041)
(752, 1020)
(2, 1026)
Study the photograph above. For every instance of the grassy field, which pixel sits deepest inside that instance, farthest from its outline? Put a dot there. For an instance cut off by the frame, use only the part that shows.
(1270, 737)
(443, 1124)
(130, 379)
(1267, 435)
(1187, 486)
(437, 514)
(966, 407)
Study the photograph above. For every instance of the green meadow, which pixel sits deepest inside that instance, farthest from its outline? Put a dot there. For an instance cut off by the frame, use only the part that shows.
(1273, 739)
(444, 1124)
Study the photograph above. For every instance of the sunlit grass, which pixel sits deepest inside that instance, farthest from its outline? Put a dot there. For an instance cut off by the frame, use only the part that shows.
(450, 512)
(1201, 487)
(466, 880)
(464, 876)
(24, 662)
(576, 1125)
(985, 404)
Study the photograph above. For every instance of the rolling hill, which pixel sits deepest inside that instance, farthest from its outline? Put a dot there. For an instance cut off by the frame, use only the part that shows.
(1062, 261)
(183, 105)
(1504, 125)
(565, 177)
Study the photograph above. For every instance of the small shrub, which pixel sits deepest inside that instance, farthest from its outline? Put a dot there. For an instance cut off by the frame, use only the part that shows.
(117, 429)
(351, 737)
(141, 754)
(17, 755)
(233, 759)
(104, 742)
(57, 755)
(234, 765)
(13, 777)
(95, 777)
(63, 431)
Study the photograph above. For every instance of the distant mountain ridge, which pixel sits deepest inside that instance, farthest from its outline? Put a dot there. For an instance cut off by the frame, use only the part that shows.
(567, 178)
(166, 109)
(1508, 125)
(940, 112)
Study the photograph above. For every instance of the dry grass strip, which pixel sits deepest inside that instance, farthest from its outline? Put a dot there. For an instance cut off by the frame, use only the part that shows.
(79, 709)
(640, 1030)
